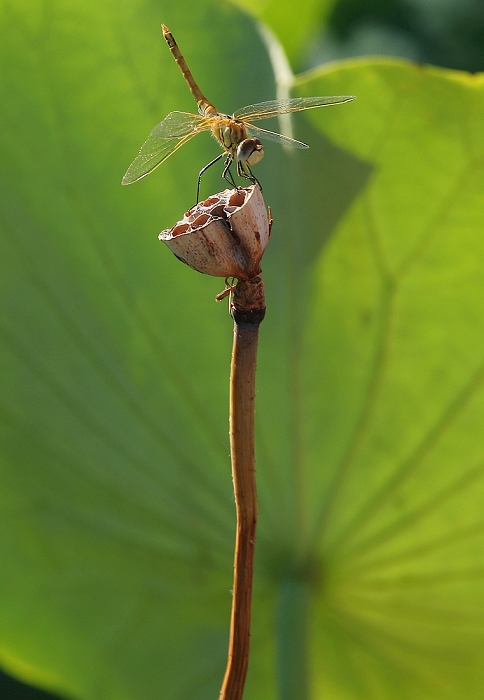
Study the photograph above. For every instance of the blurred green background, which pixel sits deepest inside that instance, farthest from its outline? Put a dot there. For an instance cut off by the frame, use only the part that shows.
(440, 32)
(116, 504)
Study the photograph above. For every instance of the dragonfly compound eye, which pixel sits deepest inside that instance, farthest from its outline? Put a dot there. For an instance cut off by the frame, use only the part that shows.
(250, 150)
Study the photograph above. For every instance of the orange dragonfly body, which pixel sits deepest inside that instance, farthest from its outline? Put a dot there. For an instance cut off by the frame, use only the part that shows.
(239, 138)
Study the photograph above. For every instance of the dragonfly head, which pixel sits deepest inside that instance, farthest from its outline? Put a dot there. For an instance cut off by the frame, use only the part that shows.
(250, 151)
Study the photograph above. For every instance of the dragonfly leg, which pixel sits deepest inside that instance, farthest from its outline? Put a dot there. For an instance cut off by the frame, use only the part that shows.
(243, 170)
(203, 170)
(227, 173)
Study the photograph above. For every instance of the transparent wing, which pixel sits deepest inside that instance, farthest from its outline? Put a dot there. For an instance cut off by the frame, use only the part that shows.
(177, 124)
(272, 136)
(265, 110)
(165, 138)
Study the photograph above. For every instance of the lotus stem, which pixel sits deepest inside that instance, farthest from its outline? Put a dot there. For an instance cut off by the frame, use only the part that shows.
(247, 310)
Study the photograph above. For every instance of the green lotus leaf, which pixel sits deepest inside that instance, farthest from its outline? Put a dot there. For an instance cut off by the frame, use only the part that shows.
(116, 498)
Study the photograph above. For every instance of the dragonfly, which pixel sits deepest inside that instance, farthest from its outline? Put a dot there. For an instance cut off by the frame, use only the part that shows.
(239, 138)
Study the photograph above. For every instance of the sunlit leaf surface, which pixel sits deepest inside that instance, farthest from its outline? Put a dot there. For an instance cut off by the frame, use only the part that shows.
(394, 377)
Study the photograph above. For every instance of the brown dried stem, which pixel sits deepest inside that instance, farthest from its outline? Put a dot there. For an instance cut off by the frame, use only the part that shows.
(247, 309)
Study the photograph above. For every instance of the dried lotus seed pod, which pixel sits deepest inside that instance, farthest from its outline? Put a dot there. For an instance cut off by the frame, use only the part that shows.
(223, 236)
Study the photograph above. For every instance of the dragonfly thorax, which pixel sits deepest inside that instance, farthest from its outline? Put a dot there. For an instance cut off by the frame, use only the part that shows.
(229, 132)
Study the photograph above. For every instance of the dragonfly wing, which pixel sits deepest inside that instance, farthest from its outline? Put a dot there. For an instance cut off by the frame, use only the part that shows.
(178, 124)
(165, 138)
(272, 136)
(265, 110)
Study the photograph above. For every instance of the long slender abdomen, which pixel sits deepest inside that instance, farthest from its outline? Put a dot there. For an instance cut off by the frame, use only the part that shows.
(204, 106)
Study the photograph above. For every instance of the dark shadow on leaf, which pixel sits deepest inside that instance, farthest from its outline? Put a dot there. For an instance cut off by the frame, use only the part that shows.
(333, 179)
(310, 191)
(11, 689)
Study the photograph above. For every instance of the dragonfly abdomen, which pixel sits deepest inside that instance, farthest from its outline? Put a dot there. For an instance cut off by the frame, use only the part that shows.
(204, 106)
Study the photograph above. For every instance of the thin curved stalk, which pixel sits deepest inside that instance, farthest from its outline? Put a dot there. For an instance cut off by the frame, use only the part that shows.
(247, 309)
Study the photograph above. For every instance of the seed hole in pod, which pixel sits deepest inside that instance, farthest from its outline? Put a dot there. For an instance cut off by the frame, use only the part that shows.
(218, 212)
(237, 199)
(210, 200)
(200, 221)
(179, 229)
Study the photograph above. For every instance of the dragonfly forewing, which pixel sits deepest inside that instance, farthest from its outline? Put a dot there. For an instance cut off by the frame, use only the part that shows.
(178, 124)
(165, 138)
(273, 108)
